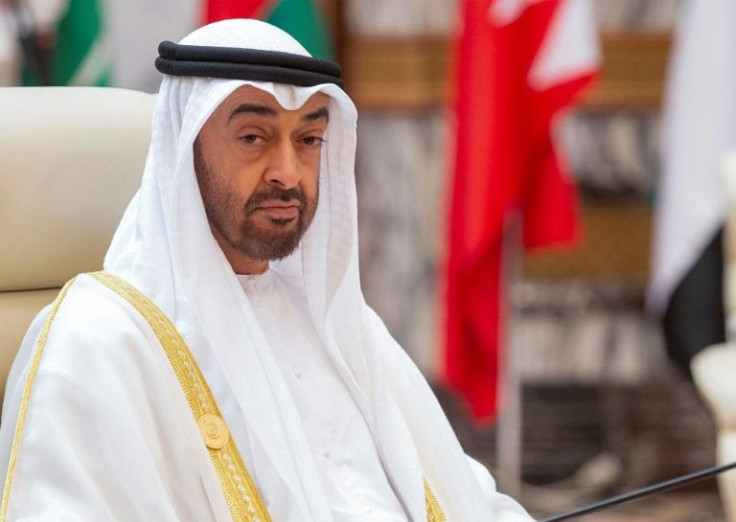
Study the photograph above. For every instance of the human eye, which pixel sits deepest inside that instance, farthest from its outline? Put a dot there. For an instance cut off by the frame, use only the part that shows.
(313, 141)
(251, 139)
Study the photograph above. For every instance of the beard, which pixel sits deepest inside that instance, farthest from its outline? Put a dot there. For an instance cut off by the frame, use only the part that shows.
(235, 217)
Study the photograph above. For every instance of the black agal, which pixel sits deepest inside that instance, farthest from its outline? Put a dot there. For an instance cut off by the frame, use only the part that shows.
(246, 64)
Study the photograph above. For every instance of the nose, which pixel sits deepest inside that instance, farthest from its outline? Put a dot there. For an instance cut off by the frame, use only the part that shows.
(283, 169)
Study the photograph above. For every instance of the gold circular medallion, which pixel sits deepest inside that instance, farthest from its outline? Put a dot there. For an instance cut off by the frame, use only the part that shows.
(213, 430)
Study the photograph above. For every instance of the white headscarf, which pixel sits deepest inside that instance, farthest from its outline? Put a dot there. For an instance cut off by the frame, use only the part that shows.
(165, 247)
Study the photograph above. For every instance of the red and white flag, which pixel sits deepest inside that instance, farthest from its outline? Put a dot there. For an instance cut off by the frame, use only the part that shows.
(518, 63)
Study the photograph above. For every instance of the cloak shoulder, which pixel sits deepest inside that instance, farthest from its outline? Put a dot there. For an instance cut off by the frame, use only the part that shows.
(102, 436)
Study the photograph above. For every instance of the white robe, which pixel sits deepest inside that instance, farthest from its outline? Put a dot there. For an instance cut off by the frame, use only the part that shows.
(109, 433)
(350, 468)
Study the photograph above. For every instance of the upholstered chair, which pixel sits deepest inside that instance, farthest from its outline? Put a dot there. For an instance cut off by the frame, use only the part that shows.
(71, 158)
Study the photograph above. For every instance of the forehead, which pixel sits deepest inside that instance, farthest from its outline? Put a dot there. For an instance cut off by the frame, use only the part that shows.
(247, 94)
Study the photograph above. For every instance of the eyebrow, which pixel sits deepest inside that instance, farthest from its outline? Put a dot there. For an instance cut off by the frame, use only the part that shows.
(322, 112)
(252, 108)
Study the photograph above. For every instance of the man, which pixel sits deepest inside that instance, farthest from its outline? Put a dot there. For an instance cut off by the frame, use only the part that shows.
(225, 366)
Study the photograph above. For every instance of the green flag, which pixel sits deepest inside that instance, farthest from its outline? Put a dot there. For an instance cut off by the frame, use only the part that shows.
(302, 19)
(82, 54)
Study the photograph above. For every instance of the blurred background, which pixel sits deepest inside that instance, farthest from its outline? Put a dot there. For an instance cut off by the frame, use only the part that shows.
(587, 396)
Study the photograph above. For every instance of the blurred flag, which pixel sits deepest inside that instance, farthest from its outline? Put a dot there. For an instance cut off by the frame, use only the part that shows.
(137, 27)
(300, 18)
(699, 130)
(518, 62)
(75, 50)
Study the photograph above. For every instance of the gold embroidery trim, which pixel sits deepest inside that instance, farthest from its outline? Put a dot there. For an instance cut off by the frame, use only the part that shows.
(434, 511)
(35, 361)
(242, 496)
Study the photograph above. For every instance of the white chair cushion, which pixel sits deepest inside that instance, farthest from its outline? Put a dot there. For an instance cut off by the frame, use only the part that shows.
(70, 160)
(714, 372)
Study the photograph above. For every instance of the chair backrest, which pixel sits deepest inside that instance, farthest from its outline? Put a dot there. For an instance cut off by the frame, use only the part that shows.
(71, 158)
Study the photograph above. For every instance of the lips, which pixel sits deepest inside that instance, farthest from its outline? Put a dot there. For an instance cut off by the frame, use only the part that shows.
(280, 209)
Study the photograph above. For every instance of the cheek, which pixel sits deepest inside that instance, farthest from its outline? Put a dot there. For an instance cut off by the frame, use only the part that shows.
(310, 185)
(244, 182)
(242, 178)
(228, 193)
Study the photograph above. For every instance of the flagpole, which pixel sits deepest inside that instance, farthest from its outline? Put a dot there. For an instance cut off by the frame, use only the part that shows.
(638, 493)
(509, 434)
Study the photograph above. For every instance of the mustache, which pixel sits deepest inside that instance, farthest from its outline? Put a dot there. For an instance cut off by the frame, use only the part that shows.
(274, 193)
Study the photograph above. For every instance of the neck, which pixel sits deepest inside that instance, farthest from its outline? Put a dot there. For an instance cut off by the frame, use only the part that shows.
(247, 266)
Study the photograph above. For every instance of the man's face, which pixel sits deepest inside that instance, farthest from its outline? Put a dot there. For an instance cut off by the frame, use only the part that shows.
(257, 166)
